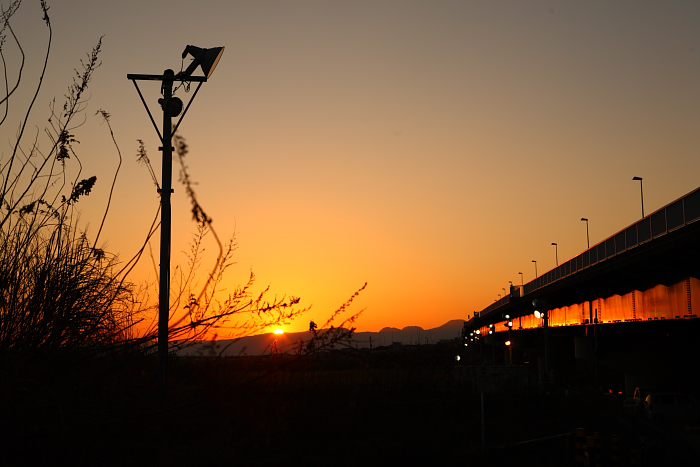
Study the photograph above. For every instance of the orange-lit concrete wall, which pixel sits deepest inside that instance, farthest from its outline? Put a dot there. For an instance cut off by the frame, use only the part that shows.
(680, 300)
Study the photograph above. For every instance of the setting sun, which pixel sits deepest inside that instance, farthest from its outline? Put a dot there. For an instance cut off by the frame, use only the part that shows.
(279, 331)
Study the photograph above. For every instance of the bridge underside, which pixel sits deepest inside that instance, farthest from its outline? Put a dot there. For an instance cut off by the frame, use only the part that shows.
(659, 353)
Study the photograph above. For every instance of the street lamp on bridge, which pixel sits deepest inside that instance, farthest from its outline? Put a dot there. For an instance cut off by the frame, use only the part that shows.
(542, 312)
(588, 240)
(641, 190)
(556, 253)
(535, 268)
(522, 281)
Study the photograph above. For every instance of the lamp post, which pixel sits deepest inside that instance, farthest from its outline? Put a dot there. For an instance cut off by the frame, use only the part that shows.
(480, 343)
(556, 253)
(641, 190)
(172, 107)
(542, 312)
(535, 268)
(504, 291)
(509, 342)
(522, 281)
(588, 239)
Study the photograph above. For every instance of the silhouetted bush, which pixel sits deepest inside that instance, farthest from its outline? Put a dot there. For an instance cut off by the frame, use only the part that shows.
(58, 292)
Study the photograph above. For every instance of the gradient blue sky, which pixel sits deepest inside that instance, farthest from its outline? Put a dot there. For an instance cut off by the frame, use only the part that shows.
(431, 149)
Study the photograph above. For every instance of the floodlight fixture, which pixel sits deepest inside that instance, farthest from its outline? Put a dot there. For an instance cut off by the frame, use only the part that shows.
(206, 58)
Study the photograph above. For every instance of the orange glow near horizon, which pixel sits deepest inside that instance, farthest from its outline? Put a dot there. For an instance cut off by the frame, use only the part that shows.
(435, 176)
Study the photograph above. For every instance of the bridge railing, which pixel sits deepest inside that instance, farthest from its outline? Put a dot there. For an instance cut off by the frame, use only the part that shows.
(677, 214)
(497, 304)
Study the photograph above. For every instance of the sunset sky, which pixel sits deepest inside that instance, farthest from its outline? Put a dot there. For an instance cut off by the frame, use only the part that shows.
(431, 149)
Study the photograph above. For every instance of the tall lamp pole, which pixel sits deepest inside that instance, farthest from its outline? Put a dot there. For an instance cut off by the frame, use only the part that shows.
(641, 190)
(588, 239)
(535, 268)
(172, 107)
(542, 312)
(522, 280)
(556, 253)
(165, 224)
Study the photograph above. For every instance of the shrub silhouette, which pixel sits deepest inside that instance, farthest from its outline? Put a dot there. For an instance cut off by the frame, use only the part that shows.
(57, 290)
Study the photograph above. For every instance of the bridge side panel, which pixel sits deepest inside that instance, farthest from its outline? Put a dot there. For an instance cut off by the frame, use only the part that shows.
(679, 301)
(695, 295)
(655, 303)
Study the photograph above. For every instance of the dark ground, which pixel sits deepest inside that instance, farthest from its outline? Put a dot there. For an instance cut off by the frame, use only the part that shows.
(353, 408)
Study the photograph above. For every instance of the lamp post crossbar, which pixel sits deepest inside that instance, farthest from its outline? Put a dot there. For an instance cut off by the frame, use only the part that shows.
(133, 80)
(198, 79)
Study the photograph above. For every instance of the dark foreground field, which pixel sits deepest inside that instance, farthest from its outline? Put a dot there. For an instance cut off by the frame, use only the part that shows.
(349, 409)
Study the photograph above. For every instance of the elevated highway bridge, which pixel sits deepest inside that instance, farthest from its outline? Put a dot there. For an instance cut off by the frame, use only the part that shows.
(647, 271)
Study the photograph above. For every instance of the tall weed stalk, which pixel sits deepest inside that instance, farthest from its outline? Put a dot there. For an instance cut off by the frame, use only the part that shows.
(58, 291)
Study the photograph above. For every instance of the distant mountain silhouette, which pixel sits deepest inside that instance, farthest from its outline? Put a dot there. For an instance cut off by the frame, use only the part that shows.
(287, 342)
